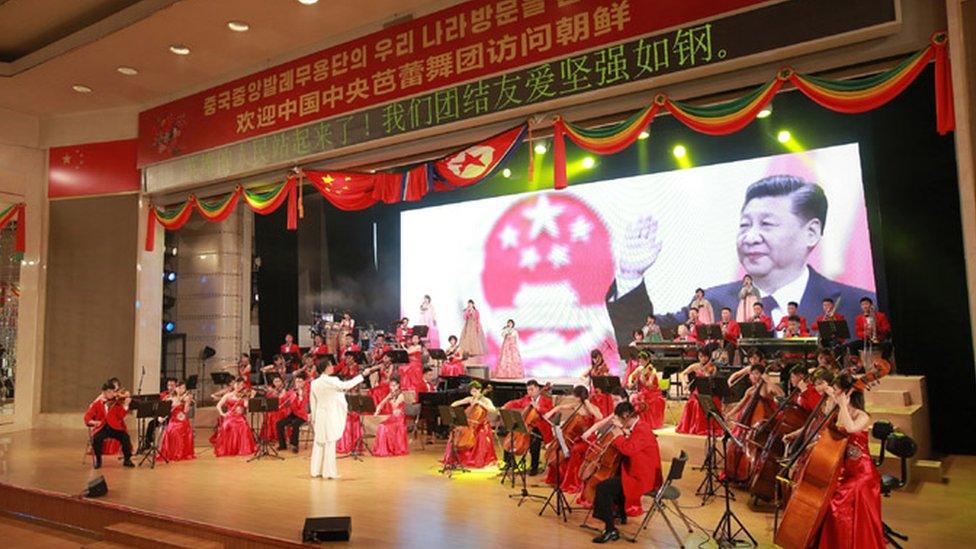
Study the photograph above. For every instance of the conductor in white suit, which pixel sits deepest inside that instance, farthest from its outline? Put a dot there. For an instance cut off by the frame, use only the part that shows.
(328, 403)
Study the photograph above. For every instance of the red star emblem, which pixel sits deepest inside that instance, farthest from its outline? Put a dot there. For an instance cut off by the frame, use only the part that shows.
(470, 160)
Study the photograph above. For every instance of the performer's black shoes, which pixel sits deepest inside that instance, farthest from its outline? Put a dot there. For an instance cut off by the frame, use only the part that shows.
(607, 535)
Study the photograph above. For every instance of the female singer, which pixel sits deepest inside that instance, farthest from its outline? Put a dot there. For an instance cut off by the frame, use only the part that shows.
(428, 319)
(598, 368)
(854, 516)
(454, 366)
(234, 436)
(276, 390)
(412, 373)
(473, 342)
(177, 443)
(509, 359)
(748, 296)
(483, 452)
(647, 399)
(706, 315)
(694, 420)
(578, 404)
(391, 435)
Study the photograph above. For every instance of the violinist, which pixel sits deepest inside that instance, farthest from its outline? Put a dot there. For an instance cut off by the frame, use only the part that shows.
(378, 350)
(177, 439)
(640, 472)
(242, 370)
(403, 332)
(598, 368)
(156, 421)
(276, 389)
(854, 511)
(234, 436)
(541, 431)
(391, 435)
(577, 414)
(481, 453)
(808, 398)
(105, 419)
(647, 398)
(294, 404)
(694, 420)
(379, 381)
(279, 369)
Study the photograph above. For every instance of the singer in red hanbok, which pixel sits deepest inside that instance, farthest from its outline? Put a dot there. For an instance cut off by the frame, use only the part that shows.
(177, 442)
(510, 359)
(853, 520)
(481, 452)
(391, 435)
(234, 436)
(454, 366)
(694, 420)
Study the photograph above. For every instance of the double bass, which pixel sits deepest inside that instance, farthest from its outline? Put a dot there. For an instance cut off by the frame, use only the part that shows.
(601, 462)
(768, 438)
(518, 443)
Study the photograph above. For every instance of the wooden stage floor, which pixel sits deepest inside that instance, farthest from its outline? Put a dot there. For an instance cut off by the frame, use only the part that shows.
(405, 502)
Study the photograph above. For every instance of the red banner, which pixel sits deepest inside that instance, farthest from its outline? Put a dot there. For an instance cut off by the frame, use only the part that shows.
(464, 42)
(93, 168)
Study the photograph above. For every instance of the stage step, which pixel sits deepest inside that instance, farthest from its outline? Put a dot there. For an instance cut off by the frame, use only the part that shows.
(146, 537)
(928, 470)
(105, 545)
(888, 397)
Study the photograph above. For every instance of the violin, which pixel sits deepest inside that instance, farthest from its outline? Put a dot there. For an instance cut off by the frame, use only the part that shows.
(518, 443)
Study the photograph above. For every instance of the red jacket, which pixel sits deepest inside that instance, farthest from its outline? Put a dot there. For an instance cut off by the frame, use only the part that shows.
(114, 417)
(377, 352)
(545, 404)
(882, 326)
(320, 350)
(641, 469)
(733, 332)
(784, 322)
(816, 323)
(289, 350)
(354, 348)
(767, 322)
(295, 406)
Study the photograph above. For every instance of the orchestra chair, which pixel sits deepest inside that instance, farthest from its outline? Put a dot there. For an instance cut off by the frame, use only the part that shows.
(667, 492)
(305, 436)
(412, 408)
(904, 448)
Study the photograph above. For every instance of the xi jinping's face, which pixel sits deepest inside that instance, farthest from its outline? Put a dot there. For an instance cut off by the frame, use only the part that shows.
(772, 239)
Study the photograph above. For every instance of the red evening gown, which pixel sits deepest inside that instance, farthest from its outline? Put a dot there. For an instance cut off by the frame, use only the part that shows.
(694, 420)
(379, 392)
(483, 452)
(453, 367)
(391, 435)
(234, 437)
(270, 422)
(412, 374)
(650, 403)
(177, 443)
(569, 468)
(854, 518)
(351, 436)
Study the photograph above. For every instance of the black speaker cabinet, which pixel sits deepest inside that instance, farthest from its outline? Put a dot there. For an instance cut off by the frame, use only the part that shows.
(327, 529)
(97, 487)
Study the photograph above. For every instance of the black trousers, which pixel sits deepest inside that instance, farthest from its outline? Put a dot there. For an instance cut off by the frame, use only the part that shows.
(295, 423)
(535, 448)
(108, 432)
(151, 432)
(609, 501)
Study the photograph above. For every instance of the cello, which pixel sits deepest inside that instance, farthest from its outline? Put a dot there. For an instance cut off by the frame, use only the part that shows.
(518, 443)
(476, 414)
(755, 412)
(769, 439)
(572, 429)
(815, 485)
(601, 462)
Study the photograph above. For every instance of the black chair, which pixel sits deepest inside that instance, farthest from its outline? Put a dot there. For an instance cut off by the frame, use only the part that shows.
(904, 448)
(667, 492)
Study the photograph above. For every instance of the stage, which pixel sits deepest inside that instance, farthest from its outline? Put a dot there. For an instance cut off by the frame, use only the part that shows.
(405, 502)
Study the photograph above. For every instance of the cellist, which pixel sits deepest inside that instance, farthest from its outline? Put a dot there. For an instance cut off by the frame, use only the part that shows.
(854, 514)
(482, 454)
(640, 472)
(541, 430)
(576, 409)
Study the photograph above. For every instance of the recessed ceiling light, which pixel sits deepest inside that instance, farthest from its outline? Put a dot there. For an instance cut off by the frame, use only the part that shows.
(308, 2)
(81, 88)
(128, 71)
(238, 26)
(179, 49)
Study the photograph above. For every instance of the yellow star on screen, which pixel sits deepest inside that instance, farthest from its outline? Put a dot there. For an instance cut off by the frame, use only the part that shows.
(66, 159)
(328, 179)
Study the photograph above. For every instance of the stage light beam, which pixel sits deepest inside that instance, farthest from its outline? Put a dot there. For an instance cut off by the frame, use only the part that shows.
(644, 135)
(789, 142)
(680, 153)
(588, 162)
(784, 136)
(540, 148)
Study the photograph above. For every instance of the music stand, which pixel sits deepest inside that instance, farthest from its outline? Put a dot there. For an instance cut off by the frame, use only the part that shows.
(437, 354)
(708, 387)
(606, 384)
(754, 330)
(561, 507)
(455, 417)
(398, 356)
(221, 378)
(419, 330)
(263, 405)
(833, 330)
(723, 533)
(147, 408)
(705, 332)
(360, 404)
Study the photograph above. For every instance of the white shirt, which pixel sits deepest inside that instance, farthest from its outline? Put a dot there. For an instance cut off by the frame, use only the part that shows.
(790, 292)
(328, 405)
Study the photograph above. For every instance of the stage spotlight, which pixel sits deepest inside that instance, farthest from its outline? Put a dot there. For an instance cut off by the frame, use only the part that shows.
(506, 173)
(169, 276)
(644, 135)
(169, 326)
(765, 112)
(588, 162)
(784, 136)
(171, 251)
(540, 148)
(679, 151)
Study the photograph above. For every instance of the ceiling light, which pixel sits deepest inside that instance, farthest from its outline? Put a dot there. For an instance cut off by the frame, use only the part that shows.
(308, 2)
(128, 71)
(783, 136)
(765, 112)
(81, 88)
(589, 162)
(540, 148)
(506, 173)
(238, 26)
(179, 49)
(679, 151)
(644, 135)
